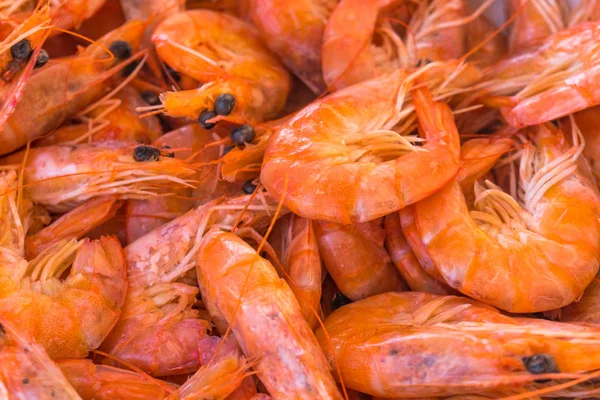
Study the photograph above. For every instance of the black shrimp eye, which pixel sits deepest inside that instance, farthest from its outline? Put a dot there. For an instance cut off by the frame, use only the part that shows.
(41, 59)
(224, 104)
(21, 50)
(540, 364)
(151, 98)
(169, 154)
(205, 115)
(248, 187)
(423, 61)
(243, 134)
(121, 49)
(174, 74)
(339, 300)
(146, 153)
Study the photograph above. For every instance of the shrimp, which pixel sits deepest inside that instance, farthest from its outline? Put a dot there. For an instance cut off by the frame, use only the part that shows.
(26, 371)
(72, 225)
(356, 258)
(557, 78)
(117, 120)
(63, 177)
(346, 59)
(69, 14)
(407, 263)
(294, 31)
(265, 318)
(226, 55)
(535, 22)
(63, 89)
(102, 382)
(159, 330)
(553, 228)
(295, 243)
(350, 166)
(407, 345)
(69, 316)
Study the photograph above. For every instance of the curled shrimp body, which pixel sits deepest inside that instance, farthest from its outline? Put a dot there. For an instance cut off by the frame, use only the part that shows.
(62, 177)
(294, 31)
(228, 56)
(295, 242)
(535, 22)
(337, 159)
(103, 382)
(265, 318)
(557, 78)
(407, 345)
(70, 316)
(356, 258)
(26, 371)
(59, 91)
(551, 233)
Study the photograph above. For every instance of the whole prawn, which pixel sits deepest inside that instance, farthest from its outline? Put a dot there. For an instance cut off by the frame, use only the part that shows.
(351, 167)
(553, 225)
(408, 345)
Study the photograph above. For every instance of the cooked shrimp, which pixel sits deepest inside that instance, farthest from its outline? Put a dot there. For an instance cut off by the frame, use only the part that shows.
(114, 119)
(69, 316)
(159, 330)
(26, 371)
(226, 55)
(349, 56)
(265, 318)
(407, 345)
(72, 225)
(294, 31)
(350, 166)
(59, 91)
(69, 14)
(553, 228)
(535, 21)
(295, 243)
(102, 382)
(62, 177)
(407, 263)
(356, 258)
(555, 79)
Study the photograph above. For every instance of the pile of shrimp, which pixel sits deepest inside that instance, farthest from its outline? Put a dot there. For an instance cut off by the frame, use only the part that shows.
(308, 199)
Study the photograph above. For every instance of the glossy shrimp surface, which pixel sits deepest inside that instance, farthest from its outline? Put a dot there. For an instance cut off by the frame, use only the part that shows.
(226, 55)
(411, 345)
(338, 161)
(59, 91)
(551, 234)
(268, 322)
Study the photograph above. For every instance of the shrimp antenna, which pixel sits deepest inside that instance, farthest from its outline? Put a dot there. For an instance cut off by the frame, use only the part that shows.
(553, 388)
(89, 40)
